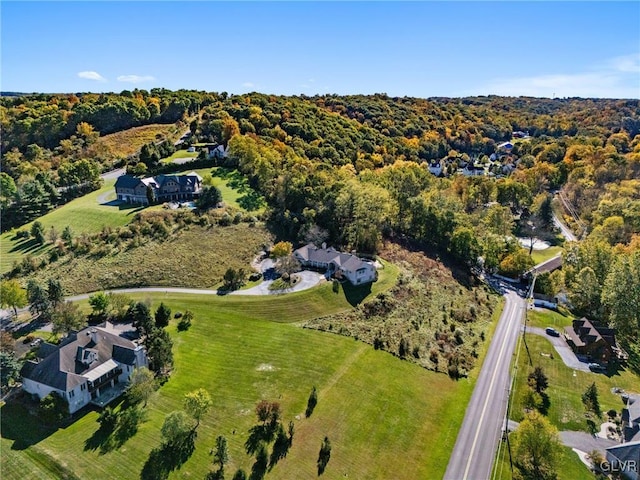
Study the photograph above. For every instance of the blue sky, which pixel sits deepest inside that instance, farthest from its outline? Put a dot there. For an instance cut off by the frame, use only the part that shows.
(421, 49)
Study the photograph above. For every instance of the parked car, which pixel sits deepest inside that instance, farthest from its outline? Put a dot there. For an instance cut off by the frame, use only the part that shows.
(36, 342)
(596, 367)
(552, 331)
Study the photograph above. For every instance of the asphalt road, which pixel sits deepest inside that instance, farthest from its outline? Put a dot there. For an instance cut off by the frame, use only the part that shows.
(472, 457)
(566, 233)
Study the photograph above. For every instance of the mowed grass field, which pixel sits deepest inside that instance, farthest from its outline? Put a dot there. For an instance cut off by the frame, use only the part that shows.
(540, 256)
(386, 418)
(87, 214)
(566, 386)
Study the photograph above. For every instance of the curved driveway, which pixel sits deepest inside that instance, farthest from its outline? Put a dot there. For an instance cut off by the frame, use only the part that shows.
(568, 356)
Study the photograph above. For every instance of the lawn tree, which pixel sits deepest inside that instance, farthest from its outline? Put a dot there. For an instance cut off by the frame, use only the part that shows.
(597, 459)
(52, 235)
(162, 315)
(210, 197)
(67, 235)
(159, 351)
(67, 317)
(151, 195)
(221, 452)
(140, 316)
(324, 455)
(185, 321)
(291, 431)
(233, 279)
(535, 448)
(537, 380)
(288, 265)
(38, 301)
(281, 249)
(9, 369)
(197, 403)
(99, 303)
(37, 232)
(142, 384)
(312, 402)
(12, 295)
(176, 427)
(54, 292)
(119, 304)
(53, 408)
(590, 400)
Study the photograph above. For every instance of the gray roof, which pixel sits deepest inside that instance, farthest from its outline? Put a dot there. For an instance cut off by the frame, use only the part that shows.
(183, 180)
(626, 451)
(127, 181)
(63, 369)
(346, 261)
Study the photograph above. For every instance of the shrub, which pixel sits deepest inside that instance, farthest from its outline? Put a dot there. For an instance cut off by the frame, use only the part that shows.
(53, 408)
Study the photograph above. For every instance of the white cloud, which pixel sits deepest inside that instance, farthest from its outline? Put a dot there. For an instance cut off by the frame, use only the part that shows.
(626, 63)
(90, 75)
(136, 78)
(247, 84)
(616, 78)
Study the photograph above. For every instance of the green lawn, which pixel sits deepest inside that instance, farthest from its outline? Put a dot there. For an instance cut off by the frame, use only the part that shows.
(386, 418)
(540, 256)
(179, 154)
(548, 318)
(87, 214)
(566, 386)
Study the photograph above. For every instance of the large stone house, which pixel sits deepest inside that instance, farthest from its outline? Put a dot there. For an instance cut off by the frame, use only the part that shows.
(165, 188)
(338, 264)
(89, 366)
(596, 342)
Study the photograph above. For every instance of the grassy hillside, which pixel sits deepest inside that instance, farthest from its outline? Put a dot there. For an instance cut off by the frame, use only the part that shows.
(127, 142)
(193, 257)
(91, 213)
(386, 418)
(87, 214)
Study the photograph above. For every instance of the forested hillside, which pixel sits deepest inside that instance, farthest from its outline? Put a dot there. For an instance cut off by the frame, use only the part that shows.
(352, 170)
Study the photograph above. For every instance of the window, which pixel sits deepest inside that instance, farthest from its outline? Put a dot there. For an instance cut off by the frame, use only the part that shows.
(72, 394)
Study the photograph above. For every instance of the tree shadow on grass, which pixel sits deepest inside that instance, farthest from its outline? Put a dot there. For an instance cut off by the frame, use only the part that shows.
(110, 437)
(168, 457)
(19, 425)
(258, 434)
(28, 246)
(355, 295)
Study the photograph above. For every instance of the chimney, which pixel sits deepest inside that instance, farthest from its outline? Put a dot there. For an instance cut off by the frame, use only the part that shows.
(324, 245)
(94, 335)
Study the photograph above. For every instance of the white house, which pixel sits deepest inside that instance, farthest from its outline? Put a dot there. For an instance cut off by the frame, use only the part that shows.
(92, 365)
(435, 168)
(356, 270)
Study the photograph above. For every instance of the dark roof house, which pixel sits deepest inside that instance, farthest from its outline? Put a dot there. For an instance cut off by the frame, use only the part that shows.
(593, 340)
(83, 366)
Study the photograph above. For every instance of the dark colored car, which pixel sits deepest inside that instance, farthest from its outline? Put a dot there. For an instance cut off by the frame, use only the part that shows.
(552, 331)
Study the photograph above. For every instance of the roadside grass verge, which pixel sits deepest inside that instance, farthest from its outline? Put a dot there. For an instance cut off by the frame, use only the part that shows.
(544, 318)
(386, 418)
(566, 386)
(569, 466)
(540, 256)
